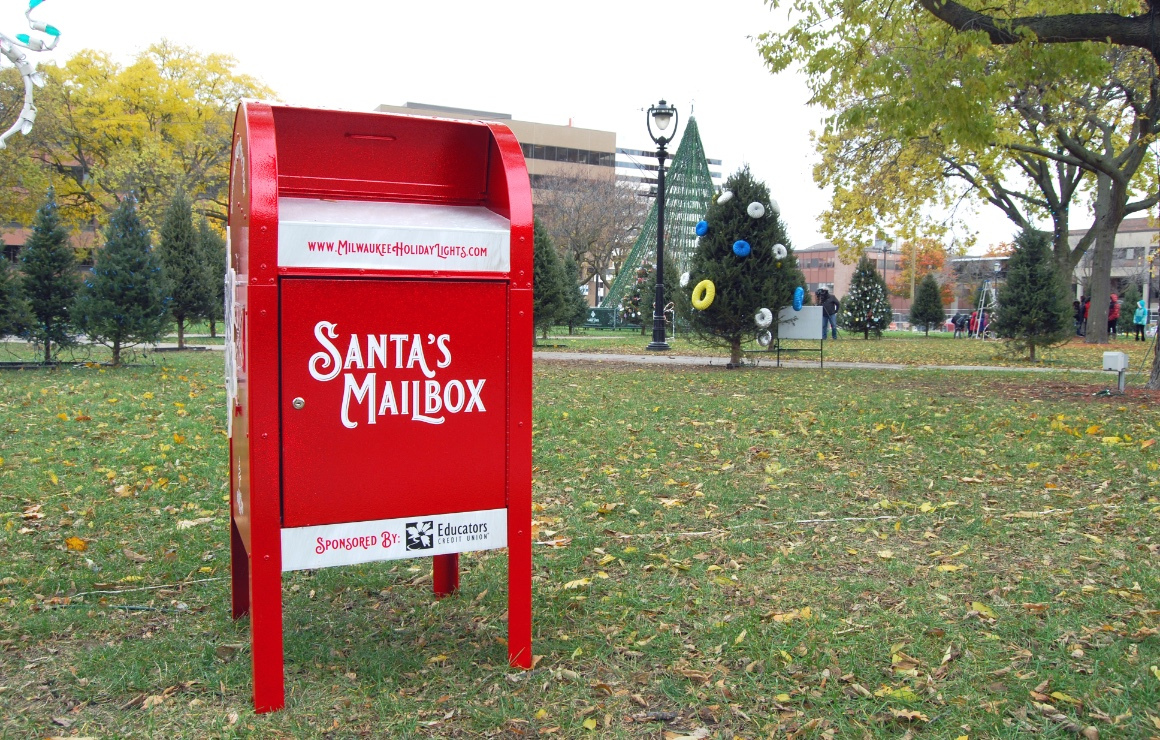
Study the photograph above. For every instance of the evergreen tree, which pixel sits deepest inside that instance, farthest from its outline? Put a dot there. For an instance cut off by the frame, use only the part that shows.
(743, 284)
(577, 306)
(14, 315)
(632, 307)
(1034, 306)
(213, 249)
(647, 290)
(927, 309)
(866, 308)
(123, 304)
(1128, 300)
(183, 264)
(549, 300)
(50, 281)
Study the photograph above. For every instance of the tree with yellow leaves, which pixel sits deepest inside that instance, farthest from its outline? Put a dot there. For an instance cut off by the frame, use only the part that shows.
(106, 132)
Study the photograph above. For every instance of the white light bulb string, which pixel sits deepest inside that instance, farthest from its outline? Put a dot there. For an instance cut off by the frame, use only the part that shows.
(11, 48)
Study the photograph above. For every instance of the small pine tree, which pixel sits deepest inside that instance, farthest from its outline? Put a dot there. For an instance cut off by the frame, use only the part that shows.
(123, 303)
(648, 293)
(14, 315)
(866, 308)
(1034, 306)
(577, 306)
(549, 300)
(743, 285)
(927, 310)
(184, 265)
(50, 281)
(213, 249)
(1128, 301)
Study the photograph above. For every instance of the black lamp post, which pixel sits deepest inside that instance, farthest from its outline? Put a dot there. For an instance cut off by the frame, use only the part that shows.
(662, 114)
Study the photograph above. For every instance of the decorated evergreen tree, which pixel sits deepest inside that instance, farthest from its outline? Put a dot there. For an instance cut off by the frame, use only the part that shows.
(1128, 300)
(927, 309)
(50, 281)
(549, 299)
(634, 304)
(14, 315)
(648, 292)
(123, 303)
(183, 263)
(866, 308)
(1034, 306)
(213, 250)
(746, 255)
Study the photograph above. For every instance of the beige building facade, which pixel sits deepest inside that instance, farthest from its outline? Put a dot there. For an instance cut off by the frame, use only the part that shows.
(549, 149)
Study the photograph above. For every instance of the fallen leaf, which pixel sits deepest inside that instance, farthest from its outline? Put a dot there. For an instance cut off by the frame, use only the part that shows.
(886, 554)
(983, 609)
(189, 523)
(76, 543)
(909, 715)
(578, 583)
(590, 723)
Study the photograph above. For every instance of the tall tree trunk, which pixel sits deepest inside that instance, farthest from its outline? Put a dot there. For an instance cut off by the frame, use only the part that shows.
(1110, 200)
(1032, 358)
(213, 327)
(735, 352)
(47, 351)
(116, 353)
(181, 333)
(1153, 383)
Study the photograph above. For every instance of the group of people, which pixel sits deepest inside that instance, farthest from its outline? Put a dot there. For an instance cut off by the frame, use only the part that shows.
(973, 324)
(1081, 310)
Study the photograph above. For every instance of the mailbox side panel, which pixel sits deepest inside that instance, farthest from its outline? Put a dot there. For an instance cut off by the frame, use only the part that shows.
(255, 440)
(509, 193)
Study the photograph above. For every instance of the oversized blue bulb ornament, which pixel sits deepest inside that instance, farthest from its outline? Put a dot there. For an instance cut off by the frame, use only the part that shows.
(799, 295)
(702, 228)
(741, 248)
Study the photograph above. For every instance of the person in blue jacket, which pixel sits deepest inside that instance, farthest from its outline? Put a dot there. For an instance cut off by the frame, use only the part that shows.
(1139, 319)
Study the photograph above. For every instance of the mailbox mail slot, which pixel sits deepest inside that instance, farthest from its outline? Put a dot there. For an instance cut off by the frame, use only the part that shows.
(379, 355)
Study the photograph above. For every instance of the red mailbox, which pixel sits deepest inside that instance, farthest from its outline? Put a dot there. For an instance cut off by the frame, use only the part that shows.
(379, 361)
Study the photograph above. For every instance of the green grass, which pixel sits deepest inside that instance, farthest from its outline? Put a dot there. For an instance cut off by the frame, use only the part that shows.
(1006, 521)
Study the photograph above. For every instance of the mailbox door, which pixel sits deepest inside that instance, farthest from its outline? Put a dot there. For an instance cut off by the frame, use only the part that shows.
(394, 398)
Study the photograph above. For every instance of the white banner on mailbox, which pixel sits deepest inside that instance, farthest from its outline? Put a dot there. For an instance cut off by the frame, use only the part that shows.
(351, 543)
(366, 235)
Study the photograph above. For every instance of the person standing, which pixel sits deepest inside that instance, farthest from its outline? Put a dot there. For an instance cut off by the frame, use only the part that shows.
(830, 307)
(1087, 307)
(1139, 319)
(1113, 315)
(1077, 310)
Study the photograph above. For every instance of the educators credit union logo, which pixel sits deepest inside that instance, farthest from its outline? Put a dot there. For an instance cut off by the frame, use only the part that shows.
(429, 401)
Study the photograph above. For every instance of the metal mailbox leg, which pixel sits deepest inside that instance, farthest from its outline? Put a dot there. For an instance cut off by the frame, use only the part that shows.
(445, 574)
(266, 635)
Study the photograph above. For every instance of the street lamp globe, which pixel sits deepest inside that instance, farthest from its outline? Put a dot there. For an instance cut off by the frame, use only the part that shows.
(661, 114)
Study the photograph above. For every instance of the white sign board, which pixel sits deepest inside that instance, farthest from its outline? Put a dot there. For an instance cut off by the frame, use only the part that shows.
(351, 543)
(803, 324)
(348, 234)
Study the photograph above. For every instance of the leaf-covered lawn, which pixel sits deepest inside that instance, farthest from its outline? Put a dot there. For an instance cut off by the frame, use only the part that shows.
(722, 554)
(904, 348)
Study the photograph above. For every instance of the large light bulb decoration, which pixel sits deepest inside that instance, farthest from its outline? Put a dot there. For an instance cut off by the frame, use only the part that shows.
(11, 48)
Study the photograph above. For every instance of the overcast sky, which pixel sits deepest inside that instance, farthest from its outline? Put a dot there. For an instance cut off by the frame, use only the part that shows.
(598, 63)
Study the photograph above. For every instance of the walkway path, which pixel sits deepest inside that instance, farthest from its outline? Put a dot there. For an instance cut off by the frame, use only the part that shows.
(770, 363)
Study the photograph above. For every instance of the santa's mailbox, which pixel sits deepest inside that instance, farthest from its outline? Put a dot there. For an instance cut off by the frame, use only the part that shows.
(379, 361)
